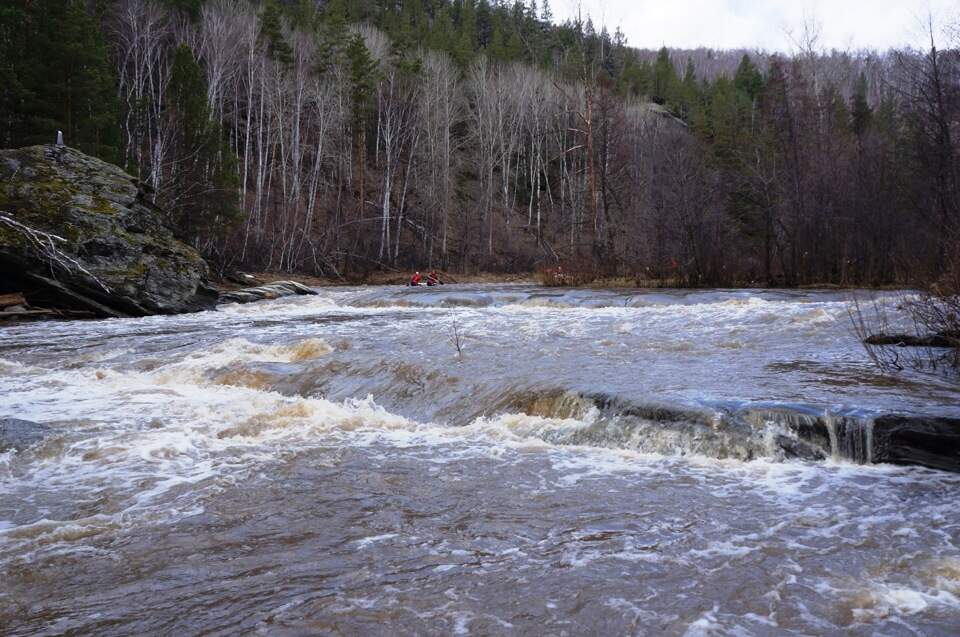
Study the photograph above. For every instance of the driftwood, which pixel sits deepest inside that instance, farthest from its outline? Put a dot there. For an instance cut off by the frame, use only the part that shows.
(910, 340)
(46, 313)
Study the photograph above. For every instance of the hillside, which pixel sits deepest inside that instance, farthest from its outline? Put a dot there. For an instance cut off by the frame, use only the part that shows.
(340, 138)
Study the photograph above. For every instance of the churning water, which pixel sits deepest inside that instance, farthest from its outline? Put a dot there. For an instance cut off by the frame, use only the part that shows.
(588, 463)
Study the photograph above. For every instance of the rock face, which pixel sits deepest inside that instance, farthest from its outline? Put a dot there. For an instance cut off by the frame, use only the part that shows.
(78, 233)
(929, 442)
(20, 434)
(265, 292)
(926, 441)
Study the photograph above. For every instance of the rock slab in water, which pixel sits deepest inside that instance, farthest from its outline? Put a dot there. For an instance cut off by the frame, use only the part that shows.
(114, 255)
(264, 292)
(928, 442)
(20, 434)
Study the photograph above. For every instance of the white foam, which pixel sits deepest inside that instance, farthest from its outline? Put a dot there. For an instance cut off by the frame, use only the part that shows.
(367, 541)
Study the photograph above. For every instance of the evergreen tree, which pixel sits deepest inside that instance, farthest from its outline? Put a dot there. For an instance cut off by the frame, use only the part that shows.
(189, 8)
(363, 79)
(497, 50)
(514, 47)
(861, 113)
(664, 77)
(546, 15)
(442, 36)
(56, 75)
(272, 33)
(13, 17)
(200, 197)
(748, 78)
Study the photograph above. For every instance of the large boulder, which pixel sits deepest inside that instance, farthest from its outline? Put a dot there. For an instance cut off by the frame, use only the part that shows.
(78, 233)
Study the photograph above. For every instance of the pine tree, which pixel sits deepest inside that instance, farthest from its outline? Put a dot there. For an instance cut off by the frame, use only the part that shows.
(201, 194)
(664, 77)
(468, 23)
(272, 33)
(546, 15)
(463, 50)
(56, 75)
(497, 50)
(363, 77)
(442, 36)
(748, 78)
(514, 47)
(13, 18)
(860, 112)
(189, 8)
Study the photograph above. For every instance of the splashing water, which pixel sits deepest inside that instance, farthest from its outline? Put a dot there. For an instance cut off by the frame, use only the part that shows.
(595, 462)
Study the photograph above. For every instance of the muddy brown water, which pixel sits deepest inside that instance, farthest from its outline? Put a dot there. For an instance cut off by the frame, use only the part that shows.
(330, 465)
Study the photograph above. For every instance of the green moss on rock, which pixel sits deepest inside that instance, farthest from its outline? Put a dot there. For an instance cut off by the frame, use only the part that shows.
(94, 206)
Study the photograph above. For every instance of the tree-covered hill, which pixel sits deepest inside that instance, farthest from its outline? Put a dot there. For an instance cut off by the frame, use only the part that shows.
(340, 137)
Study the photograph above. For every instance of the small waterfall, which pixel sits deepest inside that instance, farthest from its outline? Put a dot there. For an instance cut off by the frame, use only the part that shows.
(853, 440)
(832, 431)
(838, 437)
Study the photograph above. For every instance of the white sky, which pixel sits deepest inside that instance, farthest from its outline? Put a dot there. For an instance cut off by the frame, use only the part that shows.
(764, 24)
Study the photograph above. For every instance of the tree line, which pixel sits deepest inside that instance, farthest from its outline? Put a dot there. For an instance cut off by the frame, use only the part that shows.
(337, 138)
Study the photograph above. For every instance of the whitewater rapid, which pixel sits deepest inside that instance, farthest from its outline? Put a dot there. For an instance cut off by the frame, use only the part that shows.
(588, 462)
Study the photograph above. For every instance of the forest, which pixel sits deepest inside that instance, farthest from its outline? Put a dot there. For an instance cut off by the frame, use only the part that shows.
(340, 138)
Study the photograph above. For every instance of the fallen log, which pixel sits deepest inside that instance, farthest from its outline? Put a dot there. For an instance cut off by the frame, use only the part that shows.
(45, 313)
(912, 340)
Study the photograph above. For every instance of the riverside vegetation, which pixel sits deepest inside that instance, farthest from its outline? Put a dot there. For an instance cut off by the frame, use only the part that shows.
(339, 138)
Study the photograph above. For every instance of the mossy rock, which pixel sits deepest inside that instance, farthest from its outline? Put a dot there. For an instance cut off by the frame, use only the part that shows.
(106, 226)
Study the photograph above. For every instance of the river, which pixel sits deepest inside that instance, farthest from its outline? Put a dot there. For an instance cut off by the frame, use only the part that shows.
(488, 460)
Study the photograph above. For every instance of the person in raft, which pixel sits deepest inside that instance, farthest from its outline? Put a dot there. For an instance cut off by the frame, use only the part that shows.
(433, 279)
(415, 279)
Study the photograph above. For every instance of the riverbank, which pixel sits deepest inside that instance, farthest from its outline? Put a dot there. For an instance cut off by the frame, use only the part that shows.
(372, 279)
(596, 283)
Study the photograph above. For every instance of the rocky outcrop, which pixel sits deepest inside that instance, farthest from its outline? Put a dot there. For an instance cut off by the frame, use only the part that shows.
(77, 233)
(928, 442)
(265, 292)
(20, 434)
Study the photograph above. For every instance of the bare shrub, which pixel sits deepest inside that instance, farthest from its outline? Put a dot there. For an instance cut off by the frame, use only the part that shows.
(933, 340)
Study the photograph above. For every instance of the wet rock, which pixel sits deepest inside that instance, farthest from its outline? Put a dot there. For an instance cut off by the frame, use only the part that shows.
(20, 434)
(77, 233)
(243, 278)
(795, 448)
(928, 442)
(265, 292)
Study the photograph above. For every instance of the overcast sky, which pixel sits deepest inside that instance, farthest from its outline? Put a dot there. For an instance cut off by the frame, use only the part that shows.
(763, 23)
